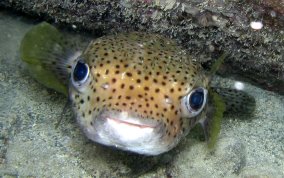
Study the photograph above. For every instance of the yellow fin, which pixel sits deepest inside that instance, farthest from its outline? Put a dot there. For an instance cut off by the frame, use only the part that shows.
(215, 123)
(217, 64)
(37, 47)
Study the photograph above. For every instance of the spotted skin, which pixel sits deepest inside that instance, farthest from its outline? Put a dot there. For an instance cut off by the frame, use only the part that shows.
(139, 73)
(133, 91)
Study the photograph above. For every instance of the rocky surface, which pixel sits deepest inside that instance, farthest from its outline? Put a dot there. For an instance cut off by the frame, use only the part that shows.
(204, 27)
(30, 145)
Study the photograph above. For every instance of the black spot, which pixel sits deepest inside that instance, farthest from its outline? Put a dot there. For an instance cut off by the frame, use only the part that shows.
(129, 74)
(146, 88)
(176, 112)
(81, 101)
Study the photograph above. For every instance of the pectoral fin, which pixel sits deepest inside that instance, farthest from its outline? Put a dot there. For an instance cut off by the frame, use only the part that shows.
(48, 56)
(211, 123)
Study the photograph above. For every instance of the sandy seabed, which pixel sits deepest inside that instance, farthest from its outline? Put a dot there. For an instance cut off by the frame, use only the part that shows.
(30, 145)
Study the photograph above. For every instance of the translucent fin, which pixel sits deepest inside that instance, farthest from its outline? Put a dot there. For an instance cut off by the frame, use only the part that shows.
(212, 123)
(217, 64)
(48, 56)
(66, 106)
(237, 102)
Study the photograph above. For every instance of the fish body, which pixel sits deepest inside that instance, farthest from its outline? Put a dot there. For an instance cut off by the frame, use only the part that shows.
(135, 91)
(133, 96)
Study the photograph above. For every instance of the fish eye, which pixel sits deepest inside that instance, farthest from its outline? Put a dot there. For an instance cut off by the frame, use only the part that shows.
(194, 102)
(80, 73)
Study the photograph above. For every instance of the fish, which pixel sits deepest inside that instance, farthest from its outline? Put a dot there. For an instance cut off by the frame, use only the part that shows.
(135, 91)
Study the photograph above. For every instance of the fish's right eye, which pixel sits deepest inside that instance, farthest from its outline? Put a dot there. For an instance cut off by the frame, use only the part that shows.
(80, 73)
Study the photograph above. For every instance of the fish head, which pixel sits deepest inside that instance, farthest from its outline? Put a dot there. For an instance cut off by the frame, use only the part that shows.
(138, 95)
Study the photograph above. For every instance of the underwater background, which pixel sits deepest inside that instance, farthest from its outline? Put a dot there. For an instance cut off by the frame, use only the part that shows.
(30, 145)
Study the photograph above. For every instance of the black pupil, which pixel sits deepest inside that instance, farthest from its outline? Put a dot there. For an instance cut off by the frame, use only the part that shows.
(196, 99)
(80, 71)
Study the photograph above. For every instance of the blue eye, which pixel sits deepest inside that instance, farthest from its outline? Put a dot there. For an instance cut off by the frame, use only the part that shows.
(193, 103)
(196, 99)
(80, 73)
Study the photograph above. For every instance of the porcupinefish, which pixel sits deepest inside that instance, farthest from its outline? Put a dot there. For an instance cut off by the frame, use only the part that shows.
(134, 91)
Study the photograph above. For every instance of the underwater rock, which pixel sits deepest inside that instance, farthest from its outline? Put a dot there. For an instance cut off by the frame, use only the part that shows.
(204, 27)
(231, 153)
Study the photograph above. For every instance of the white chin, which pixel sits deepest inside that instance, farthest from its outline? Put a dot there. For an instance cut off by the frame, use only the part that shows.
(129, 133)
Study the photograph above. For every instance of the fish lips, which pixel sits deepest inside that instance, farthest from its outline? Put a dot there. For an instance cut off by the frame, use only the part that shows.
(127, 131)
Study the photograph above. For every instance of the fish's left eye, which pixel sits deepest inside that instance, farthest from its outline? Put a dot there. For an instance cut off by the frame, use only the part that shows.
(194, 102)
(80, 73)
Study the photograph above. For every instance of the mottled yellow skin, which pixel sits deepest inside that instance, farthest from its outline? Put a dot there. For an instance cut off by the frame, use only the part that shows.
(138, 92)
(140, 73)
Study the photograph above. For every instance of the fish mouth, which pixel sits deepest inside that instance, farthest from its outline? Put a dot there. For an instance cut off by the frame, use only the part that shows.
(128, 131)
(131, 121)
(130, 124)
